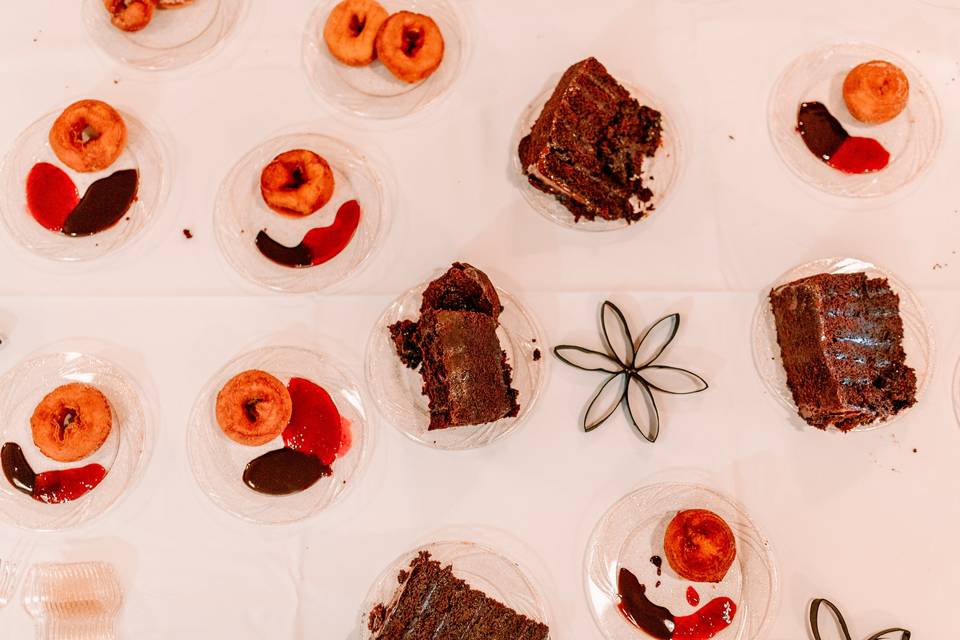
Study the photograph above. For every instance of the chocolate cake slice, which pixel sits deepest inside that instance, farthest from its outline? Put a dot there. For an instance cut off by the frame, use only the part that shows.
(841, 341)
(465, 372)
(455, 346)
(588, 145)
(433, 604)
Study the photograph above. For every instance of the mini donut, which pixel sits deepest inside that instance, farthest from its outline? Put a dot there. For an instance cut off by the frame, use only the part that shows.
(410, 45)
(253, 408)
(876, 91)
(351, 31)
(296, 183)
(88, 136)
(699, 545)
(130, 15)
(71, 422)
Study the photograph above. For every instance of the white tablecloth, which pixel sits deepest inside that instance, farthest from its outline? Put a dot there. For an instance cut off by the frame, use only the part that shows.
(862, 519)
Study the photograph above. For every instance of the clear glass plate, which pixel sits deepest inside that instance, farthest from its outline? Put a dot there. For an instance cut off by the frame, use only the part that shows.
(912, 138)
(482, 567)
(917, 333)
(143, 153)
(241, 213)
(218, 462)
(372, 91)
(174, 37)
(399, 395)
(631, 532)
(121, 455)
(660, 173)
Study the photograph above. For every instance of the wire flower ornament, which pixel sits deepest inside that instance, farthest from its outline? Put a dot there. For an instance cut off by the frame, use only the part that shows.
(815, 623)
(633, 371)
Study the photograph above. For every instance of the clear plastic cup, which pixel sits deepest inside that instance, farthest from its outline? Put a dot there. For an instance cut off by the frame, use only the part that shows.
(74, 601)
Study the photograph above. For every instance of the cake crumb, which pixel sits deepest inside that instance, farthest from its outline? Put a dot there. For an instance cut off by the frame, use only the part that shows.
(377, 617)
(731, 136)
(914, 449)
(187, 234)
(536, 354)
(937, 266)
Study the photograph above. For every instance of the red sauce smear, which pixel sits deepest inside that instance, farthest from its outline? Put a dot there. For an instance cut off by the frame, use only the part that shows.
(318, 245)
(708, 621)
(660, 622)
(52, 487)
(860, 155)
(51, 195)
(693, 598)
(315, 426)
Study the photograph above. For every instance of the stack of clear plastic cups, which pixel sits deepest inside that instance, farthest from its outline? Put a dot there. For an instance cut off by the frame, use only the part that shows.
(75, 601)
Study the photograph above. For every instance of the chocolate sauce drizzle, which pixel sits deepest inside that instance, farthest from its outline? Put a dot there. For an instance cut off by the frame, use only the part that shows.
(17, 469)
(652, 618)
(815, 623)
(284, 471)
(103, 204)
(626, 367)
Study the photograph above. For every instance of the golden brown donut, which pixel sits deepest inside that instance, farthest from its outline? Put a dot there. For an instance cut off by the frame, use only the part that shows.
(296, 183)
(410, 45)
(88, 136)
(699, 545)
(253, 408)
(71, 422)
(351, 30)
(130, 15)
(876, 91)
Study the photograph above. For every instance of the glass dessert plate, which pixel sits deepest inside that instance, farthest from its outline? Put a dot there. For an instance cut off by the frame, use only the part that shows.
(241, 213)
(912, 138)
(660, 173)
(218, 462)
(143, 153)
(483, 568)
(631, 532)
(174, 37)
(372, 91)
(122, 454)
(399, 395)
(917, 333)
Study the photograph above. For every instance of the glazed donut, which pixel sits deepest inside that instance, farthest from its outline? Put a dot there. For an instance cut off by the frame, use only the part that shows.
(699, 545)
(876, 91)
(253, 408)
(88, 136)
(351, 30)
(410, 45)
(296, 183)
(71, 422)
(130, 15)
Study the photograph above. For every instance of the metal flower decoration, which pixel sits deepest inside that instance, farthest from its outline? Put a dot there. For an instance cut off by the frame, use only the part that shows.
(815, 623)
(634, 374)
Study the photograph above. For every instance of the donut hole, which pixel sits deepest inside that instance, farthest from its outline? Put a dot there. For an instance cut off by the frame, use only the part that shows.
(357, 25)
(412, 39)
(250, 409)
(296, 180)
(67, 416)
